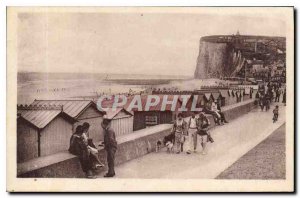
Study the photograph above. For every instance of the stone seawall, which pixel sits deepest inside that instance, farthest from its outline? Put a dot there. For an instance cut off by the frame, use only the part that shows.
(132, 146)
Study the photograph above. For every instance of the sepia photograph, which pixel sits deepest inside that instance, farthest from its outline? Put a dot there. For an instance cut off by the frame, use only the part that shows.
(150, 99)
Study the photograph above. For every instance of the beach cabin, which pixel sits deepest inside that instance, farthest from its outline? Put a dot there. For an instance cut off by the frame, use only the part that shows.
(82, 111)
(41, 131)
(155, 115)
(225, 94)
(121, 121)
(142, 118)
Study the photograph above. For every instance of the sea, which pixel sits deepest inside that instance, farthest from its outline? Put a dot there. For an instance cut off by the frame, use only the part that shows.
(48, 86)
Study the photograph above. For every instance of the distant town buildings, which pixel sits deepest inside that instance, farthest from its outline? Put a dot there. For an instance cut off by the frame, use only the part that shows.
(239, 56)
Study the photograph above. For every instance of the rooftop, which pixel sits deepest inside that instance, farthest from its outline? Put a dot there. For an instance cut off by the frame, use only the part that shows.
(71, 107)
(40, 116)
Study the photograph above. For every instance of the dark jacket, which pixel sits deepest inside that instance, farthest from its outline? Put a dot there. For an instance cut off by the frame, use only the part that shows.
(110, 139)
(218, 106)
(203, 125)
(79, 148)
(77, 145)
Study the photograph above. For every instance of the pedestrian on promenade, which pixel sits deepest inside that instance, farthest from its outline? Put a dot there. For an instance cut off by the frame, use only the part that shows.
(277, 95)
(180, 130)
(240, 97)
(275, 113)
(284, 97)
(257, 98)
(79, 148)
(262, 102)
(203, 124)
(257, 95)
(110, 146)
(268, 99)
(192, 132)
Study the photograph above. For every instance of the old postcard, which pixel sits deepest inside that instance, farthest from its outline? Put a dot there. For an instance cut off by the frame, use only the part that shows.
(150, 99)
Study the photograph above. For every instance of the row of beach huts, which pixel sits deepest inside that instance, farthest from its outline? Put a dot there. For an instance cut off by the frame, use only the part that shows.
(45, 126)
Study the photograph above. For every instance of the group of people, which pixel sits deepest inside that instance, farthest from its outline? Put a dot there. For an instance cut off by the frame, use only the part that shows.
(83, 147)
(265, 95)
(214, 109)
(186, 133)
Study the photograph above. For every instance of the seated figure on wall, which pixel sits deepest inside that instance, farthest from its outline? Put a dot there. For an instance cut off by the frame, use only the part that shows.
(92, 149)
(223, 119)
(208, 110)
(79, 148)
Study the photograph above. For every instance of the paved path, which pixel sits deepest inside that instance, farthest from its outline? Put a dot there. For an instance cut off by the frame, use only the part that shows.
(264, 161)
(232, 141)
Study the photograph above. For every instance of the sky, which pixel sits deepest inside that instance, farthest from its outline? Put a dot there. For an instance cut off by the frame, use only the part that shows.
(125, 43)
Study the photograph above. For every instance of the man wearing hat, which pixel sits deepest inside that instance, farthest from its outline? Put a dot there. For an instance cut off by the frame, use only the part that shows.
(110, 145)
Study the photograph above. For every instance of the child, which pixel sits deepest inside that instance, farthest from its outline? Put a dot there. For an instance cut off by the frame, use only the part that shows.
(275, 113)
(90, 145)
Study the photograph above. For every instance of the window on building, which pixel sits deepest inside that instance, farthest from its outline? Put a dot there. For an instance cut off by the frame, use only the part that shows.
(151, 120)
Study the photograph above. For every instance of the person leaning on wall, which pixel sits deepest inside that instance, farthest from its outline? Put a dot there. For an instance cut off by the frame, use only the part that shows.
(79, 148)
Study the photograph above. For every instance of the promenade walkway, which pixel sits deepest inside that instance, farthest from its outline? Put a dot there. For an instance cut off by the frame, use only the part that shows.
(267, 160)
(232, 141)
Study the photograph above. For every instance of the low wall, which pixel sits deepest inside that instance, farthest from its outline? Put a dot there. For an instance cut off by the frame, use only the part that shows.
(131, 146)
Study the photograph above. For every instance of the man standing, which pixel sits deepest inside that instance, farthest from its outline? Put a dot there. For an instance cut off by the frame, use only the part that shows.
(284, 97)
(277, 95)
(192, 132)
(179, 128)
(110, 145)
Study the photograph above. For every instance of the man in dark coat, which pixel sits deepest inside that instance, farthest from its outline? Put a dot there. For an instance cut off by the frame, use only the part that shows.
(110, 145)
(277, 95)
(284, 97)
